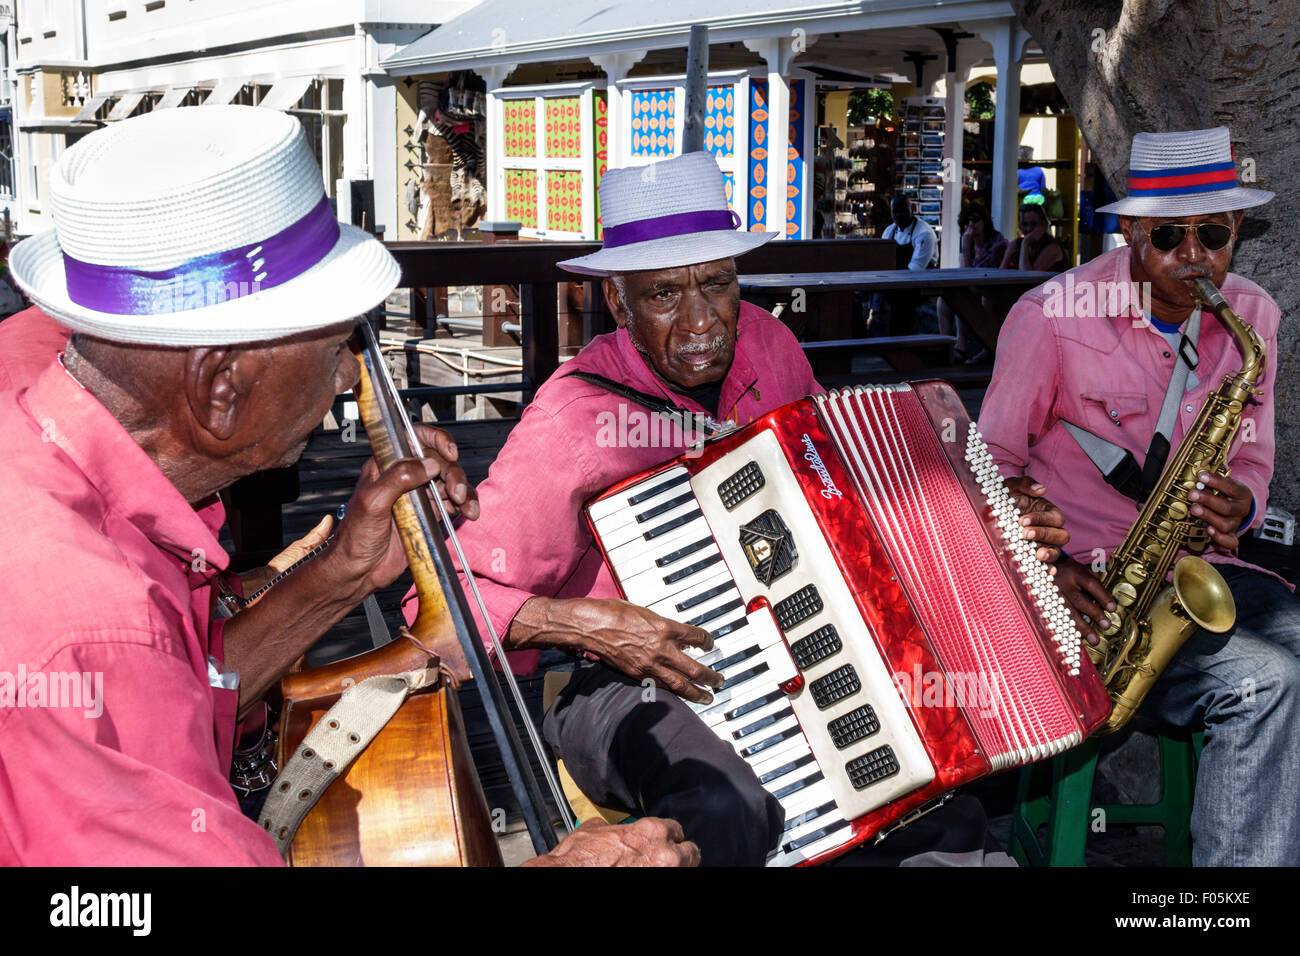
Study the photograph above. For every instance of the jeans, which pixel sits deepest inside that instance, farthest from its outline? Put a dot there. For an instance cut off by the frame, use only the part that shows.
(1243, 688)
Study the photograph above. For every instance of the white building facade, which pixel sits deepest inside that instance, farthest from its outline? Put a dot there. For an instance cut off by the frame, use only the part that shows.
(81, 63)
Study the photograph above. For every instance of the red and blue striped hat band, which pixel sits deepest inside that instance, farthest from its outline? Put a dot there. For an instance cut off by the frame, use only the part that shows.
(1185, 173)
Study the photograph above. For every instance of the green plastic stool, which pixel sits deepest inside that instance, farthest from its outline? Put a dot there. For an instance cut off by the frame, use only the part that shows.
(1058, 794)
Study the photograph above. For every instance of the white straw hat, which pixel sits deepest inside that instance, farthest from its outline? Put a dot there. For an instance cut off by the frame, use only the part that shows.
(1188, 173)
(663, 215)
(198, 226)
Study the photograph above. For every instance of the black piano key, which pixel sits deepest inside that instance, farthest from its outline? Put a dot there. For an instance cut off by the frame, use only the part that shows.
(753, 705)
(658, 489)
(667, 506)
(674, 556)
(785, 768)
(705, 596)
(758, 725)
(743, 676)
(729, 628)
(671, 525)
(798, 785)
(807, 816)
(716, 613)
(735, 658)
(811, 838)
(772, 741)
(695, 568)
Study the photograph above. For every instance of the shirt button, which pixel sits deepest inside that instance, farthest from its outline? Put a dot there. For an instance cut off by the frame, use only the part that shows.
(1189, 409)
(1114, 413)
(1167, 355)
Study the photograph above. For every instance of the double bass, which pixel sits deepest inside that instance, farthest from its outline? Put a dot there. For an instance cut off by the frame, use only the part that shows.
(412, 797)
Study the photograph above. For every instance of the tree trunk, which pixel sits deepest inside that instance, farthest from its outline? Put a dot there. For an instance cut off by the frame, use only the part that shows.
(1161, 65)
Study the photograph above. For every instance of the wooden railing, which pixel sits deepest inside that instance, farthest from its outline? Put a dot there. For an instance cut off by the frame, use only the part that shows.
(533, 268)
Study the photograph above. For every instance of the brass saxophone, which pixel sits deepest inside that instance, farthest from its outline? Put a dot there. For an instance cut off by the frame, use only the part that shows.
(1153, 619)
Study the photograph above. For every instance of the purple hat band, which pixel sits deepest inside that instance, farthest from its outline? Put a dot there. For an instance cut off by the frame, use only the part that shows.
(207, 280)
(663, 227)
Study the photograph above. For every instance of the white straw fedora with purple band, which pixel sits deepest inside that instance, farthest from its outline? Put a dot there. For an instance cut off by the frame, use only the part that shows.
(663, 215)
(1188, 173)
(198, 226)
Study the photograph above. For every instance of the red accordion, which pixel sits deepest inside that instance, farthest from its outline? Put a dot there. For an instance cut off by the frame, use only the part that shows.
(885, 633)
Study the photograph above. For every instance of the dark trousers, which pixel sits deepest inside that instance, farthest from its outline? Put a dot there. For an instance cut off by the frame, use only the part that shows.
(642, 750)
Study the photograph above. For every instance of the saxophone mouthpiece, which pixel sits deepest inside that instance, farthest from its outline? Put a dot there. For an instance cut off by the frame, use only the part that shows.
(1209, 293)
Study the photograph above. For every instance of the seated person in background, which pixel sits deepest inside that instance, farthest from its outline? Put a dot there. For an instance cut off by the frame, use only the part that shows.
(917, 249)
(982, 247)
(1036, 250)
(684, 340)
(1075, 378)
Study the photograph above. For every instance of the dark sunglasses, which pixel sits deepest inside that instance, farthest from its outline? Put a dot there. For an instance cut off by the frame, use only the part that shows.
(1169, 236)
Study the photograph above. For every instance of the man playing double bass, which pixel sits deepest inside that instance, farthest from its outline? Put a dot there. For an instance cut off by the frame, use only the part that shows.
(211, 296)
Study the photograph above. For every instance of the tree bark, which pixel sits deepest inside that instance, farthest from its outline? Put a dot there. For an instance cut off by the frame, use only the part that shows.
(1162, 65)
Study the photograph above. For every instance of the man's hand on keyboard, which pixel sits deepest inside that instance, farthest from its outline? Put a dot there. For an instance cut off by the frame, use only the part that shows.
(650, 841)
(630, 639)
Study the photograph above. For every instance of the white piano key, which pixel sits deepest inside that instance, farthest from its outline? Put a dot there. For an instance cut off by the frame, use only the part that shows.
(829, 842)
(650, 585)
(779, 669)
(640, 556)
(673, 478)
(647, 513)
(683, 515)
(669, 607)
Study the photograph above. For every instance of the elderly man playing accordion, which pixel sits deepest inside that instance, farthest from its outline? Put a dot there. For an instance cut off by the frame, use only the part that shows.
(1093, 391)
(686, 345)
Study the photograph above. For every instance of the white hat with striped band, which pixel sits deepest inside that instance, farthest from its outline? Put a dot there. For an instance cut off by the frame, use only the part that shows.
(1189, 173)
(198, 226)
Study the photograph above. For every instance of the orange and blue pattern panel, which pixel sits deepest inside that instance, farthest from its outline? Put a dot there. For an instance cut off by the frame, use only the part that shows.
(756, 198)
(720, 121)
(653, 118)
(794, 175)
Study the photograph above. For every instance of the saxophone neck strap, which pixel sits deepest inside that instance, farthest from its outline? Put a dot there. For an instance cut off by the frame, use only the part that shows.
(1117, 465)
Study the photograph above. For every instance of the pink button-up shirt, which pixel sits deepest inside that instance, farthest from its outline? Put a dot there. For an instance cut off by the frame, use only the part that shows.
(1108, 375)
(29, 341)
(114, 748)
(576, 439)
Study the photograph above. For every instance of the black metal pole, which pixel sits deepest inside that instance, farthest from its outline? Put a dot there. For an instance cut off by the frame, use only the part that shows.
(697, 80)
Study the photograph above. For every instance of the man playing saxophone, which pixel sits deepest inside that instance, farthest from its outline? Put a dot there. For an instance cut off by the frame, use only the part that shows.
(1100, 376)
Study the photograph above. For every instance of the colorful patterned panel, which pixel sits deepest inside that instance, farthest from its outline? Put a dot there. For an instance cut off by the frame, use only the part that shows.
(794, 173)
(757, 196)
(729, 184)
(563, 200)
(519, 127)
(720, 121)
(521, 197)
(600, 137)
(563, 126)
(653, 116)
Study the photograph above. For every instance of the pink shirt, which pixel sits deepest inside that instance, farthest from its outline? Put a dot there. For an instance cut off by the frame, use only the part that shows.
(574, 440)
(1108, 375)
(29, 341)
(114, 749)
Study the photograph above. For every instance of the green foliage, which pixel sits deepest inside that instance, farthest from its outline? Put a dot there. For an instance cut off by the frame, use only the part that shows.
(980, 99)
(874, 103)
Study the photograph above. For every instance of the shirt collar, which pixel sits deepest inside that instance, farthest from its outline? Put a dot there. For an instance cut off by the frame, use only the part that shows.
(121, 471)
